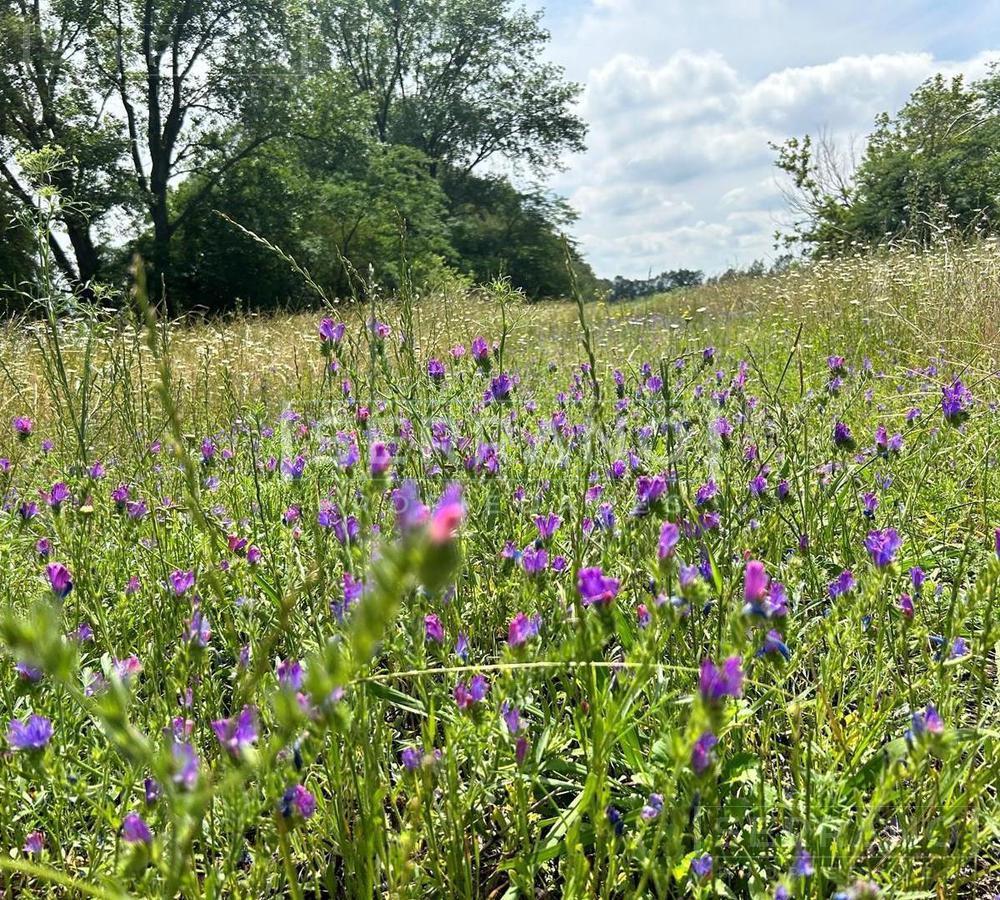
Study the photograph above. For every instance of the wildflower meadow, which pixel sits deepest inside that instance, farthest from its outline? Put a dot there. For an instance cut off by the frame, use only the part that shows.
(469, 597)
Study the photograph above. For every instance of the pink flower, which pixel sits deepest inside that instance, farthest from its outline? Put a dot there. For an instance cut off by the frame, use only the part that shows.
(755, 582)
(447, 516)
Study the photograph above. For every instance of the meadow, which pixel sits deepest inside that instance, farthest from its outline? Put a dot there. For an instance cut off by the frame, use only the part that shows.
(462, 596)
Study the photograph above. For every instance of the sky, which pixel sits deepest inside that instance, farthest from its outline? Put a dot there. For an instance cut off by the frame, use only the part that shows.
(682, 98)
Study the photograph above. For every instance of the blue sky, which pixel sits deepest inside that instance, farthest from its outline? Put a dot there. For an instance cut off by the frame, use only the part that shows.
(683, 97)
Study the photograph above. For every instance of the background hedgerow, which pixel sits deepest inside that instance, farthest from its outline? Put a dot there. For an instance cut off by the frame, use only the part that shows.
(429, 599)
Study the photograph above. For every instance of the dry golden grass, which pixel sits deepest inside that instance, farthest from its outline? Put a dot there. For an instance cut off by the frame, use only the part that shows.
(946, 301)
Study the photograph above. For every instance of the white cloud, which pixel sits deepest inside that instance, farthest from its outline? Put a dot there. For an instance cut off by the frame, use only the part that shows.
(682, 102)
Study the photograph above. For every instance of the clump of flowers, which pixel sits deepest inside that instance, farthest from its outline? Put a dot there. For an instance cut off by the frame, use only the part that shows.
(716, 683)
(883, 545)
(471, 693)
(595, 587)
(956, 402)
(33, 733)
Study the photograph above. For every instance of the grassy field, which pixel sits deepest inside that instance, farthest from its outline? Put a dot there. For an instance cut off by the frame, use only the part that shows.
(692, 596)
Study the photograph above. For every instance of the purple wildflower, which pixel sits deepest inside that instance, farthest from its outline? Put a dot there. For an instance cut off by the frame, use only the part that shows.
(596, 587)
(844, 584)
(706, 493)
(290, 674)
(956, 399)
(547, 525)
(135, 830)
(60, 579)
(379, 459)
(500, 389)
(32, 734)
(238, 733)
(297, 801)
(522, 628)
(198, 630)
(702, 866)
(755, 583)
(447, 516)
(468, 694)
(717, 683)
(27, 511)
(293, 468)
(433, 629)
(511, 717)
(802, 865)
(480, 351)
(882, 545)
(774, 645)
(28, 673)
(331, 333)
(701, 752)
(57, 495)
(410, 512)
(181, 581)
(927, 722)
(185, 765)
(653, 807)
(649, 491)
(34, 843)
(534, 560)
(842, 437)
(670, 534)
(723, 430)
(435, 370)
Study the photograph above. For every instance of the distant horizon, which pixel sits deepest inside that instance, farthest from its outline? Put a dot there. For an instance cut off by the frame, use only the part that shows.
(682, 100)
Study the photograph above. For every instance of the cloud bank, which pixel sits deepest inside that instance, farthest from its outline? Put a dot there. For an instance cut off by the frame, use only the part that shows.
(678, 171)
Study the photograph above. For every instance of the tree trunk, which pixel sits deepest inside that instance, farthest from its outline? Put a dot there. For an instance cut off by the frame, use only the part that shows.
(159, 288)
(88, 263)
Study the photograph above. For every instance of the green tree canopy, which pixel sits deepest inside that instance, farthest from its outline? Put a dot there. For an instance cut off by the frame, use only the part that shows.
(51, 102)
(463, 81)
(16, 258)
(355, 135)
(370, 214)
(934, 165)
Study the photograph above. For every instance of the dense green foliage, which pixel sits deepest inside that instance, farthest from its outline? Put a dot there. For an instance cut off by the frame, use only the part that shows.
(932, 167)
(353, 136)
(16, 263)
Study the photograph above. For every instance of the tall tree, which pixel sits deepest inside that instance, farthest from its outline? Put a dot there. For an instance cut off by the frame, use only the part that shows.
(50, 103)
(460, 80)
(202, 85)
(933, 165)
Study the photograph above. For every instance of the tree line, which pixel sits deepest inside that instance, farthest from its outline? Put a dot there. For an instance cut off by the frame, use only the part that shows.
(633, 288)
(376, 141)
(368, 139)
